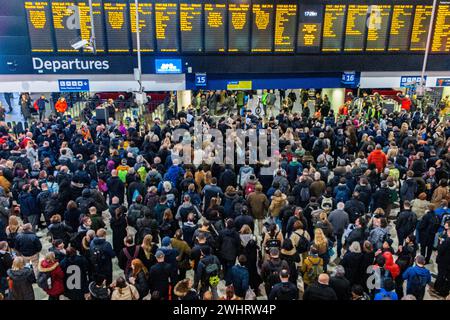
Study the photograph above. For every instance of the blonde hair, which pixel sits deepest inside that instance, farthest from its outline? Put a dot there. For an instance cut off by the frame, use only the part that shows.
(13, 224)
(147, 244)
(245, 229)
(18, 263)
(320, 240)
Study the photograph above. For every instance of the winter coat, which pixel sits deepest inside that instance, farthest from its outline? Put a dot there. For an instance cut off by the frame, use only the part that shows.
(22, 284)
(408, 190)
(28, 204)
(258, 204)
(351, 263)
(56, 275)
(28, 244)
(319, 292)
(428, 227)
(339, 220)
(439, 194)
(276, 204)
(393, 268)
(83, 265)
(240, 279)
(378, 158)
(128, 293)
(60, 231)
(61, 106)
(229, 243)
(406, 223)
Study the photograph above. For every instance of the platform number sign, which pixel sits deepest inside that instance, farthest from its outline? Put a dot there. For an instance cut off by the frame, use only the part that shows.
(348, 78)
(200, 80)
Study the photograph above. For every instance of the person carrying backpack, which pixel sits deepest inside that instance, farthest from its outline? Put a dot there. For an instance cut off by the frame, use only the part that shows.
(417, 277)
(284, 290)
(311, 267)
(101, 254)
(271, 269)
(341, 191)
(51, 277)
(207, 273)
(127, 255)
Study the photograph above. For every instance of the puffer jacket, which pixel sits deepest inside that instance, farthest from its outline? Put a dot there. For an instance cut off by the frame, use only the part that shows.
(56, 275)
(22, 284)
(128, 293)
(390, 265)
(276, 204)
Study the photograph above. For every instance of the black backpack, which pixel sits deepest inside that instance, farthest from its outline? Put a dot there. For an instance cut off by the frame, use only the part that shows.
(286, 292)
(274, 275)
(303, 244)
(417, 285)
(97, 256)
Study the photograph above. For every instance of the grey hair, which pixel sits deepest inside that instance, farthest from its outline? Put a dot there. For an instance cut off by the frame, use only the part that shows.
(355, 247)
(339, 271)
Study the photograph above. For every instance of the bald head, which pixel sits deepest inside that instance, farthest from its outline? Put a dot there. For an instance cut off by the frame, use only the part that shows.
(114, 173)
(324, 278)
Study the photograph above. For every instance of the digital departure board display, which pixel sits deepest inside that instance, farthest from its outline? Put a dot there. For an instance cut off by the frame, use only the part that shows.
(146, 28)
(309, 28)
(262, 26)
(401, 22)
(39, 26)
(191, 16)
(441, 35)
(333, 27)
(285, 27)
(419, 32)
(238, 26)
(65, 23)
(85, 23)
(355, 28)
(116, 16)
(166, 20)
(215, 26)
(377, 27)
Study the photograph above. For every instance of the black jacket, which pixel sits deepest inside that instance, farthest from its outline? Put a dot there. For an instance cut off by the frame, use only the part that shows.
(159, 276)
(443, 257)
(342, 287)
(70, 263)
(406, 223)
(284, 291)
(428, 227)
(28, 244)
(351, 263)
(319, 292)
(355, 209)
(116, 188)
(6, 260)
(60, 231)
(358, 235)
(229, 244)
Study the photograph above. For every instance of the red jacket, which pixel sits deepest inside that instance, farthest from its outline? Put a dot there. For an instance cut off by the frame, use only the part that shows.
(406, 104)
(61, 106)
(57, 276)
(378, 158)
(393, 268)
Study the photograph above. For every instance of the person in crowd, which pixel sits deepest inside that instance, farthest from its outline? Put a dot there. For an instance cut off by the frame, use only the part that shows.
(417, 278)
(21, 278)
(320, 291)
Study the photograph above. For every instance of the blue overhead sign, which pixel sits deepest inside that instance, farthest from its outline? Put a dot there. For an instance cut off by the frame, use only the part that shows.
(168, 66)
(73, 85)
(443, 82)
(348, 78)
(200, 80)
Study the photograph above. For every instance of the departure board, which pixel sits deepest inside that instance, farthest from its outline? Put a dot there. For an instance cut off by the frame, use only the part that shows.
(419, 32)
(215, 24)
(441, 35)
(239, 26)
(285, 27)
(309, 28)
(333, 27)
(116, 16)
(85, 23)
(65, 23)
(39, 26)
(355, 28)
(262, 27)
(191, 27)
(377, 27)
(401, 22)
(146, 29)
(166, 27)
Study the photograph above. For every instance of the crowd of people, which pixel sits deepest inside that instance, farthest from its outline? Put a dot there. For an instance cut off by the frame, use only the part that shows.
(356, 210)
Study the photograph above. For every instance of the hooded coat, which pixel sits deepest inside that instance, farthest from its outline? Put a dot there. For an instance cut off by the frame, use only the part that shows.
(56, 275)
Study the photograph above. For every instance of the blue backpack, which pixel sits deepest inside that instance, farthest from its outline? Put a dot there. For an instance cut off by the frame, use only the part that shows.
(342, 193)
